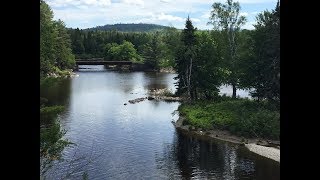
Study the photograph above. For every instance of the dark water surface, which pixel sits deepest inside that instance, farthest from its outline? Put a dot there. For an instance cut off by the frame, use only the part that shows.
(138, 141)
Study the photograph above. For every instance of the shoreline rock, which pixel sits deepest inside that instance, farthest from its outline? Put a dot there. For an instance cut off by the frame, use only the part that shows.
(167, 70)
(165, 98)
(70, 73)
(133, 101)
(268, 152)
(163, 94)
(261, 147)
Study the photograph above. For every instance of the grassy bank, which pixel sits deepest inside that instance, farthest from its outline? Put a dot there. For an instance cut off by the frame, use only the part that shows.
(242, 117)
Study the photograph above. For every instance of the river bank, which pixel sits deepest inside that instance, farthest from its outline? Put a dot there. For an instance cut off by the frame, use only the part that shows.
(259, 146)
(62, 73)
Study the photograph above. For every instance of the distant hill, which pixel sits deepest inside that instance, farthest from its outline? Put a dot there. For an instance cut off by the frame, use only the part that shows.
(141, 27)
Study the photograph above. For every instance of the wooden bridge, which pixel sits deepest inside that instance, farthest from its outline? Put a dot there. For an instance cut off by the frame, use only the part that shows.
(115, 65)
(102, 62)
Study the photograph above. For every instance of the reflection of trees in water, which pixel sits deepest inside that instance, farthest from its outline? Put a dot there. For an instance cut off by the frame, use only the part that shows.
(57, 91)
(155, 85)
(155, 80)
(191, 158)
(127, 81)
(188, 157)
(230, 158)
(255, 166)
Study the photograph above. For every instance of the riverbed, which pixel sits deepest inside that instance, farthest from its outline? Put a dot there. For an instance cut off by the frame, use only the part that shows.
(138, 141)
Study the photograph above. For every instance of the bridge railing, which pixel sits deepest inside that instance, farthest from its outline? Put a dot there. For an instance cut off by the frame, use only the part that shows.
(91, 59)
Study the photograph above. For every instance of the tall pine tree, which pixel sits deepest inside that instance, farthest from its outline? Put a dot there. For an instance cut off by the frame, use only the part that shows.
(185, 60)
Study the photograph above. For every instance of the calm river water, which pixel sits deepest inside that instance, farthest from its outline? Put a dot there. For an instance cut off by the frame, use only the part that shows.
(138, 141)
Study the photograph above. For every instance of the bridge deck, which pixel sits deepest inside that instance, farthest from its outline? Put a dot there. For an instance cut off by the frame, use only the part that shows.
(82, 62)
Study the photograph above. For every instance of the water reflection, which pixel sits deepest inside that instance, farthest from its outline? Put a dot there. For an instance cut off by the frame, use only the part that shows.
(57, 91)
(203, 158)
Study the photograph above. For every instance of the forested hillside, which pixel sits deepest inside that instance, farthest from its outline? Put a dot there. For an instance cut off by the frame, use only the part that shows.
(141, 27)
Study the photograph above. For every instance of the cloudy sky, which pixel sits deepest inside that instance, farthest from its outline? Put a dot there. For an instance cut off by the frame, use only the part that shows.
(91, 13)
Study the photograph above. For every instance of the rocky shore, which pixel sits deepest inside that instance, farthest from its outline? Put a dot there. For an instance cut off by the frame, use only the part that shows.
(168, 70)
(263, 147)
(65, 74)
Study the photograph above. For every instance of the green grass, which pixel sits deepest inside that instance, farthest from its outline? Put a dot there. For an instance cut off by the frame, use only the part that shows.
(241, 117)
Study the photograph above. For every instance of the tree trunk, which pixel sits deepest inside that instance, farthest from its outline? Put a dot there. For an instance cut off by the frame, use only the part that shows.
(195, 93)
(189, 80)
(234, 91)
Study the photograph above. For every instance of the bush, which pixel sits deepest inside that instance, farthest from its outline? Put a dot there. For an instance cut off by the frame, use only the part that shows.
(49, 114)
(242, 117)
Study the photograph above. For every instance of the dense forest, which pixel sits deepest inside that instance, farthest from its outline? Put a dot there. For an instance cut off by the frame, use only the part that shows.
(141, 27)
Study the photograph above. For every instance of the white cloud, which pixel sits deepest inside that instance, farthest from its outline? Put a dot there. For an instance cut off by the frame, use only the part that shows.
(101, 12)
(249, 25)
(169, 17)
(195, 19)
(134, 2)
(165, 1)
(78, 3)
(255, 13)
(205, 15)
(244, 14)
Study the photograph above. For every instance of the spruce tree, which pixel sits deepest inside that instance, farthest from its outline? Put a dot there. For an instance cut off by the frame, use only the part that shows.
(185, 60)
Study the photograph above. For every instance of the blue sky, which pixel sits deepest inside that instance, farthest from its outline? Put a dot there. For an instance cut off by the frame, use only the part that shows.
(91, 13)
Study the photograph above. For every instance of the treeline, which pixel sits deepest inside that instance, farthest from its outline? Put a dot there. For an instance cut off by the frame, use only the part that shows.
(55, 44)
(141, 27)
(156, 49)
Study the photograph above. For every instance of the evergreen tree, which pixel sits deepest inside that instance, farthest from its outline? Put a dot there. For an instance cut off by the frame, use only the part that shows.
(77, 42)
(185, 61)
(153, 52)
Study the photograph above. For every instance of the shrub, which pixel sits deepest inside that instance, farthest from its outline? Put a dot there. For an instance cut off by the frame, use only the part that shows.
(242, 117)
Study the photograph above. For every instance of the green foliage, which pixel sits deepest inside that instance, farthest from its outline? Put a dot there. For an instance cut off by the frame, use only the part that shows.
(263, 74)
(64, 57)
(51, 146)
(241, 117)
(51, 142)
(47, 36)
(55, 45)
(226, 17)
(49, 114)
(207, 69)
(171, 44)
(185, 61)
(153, 52)
(156, 49)
(122, 52)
